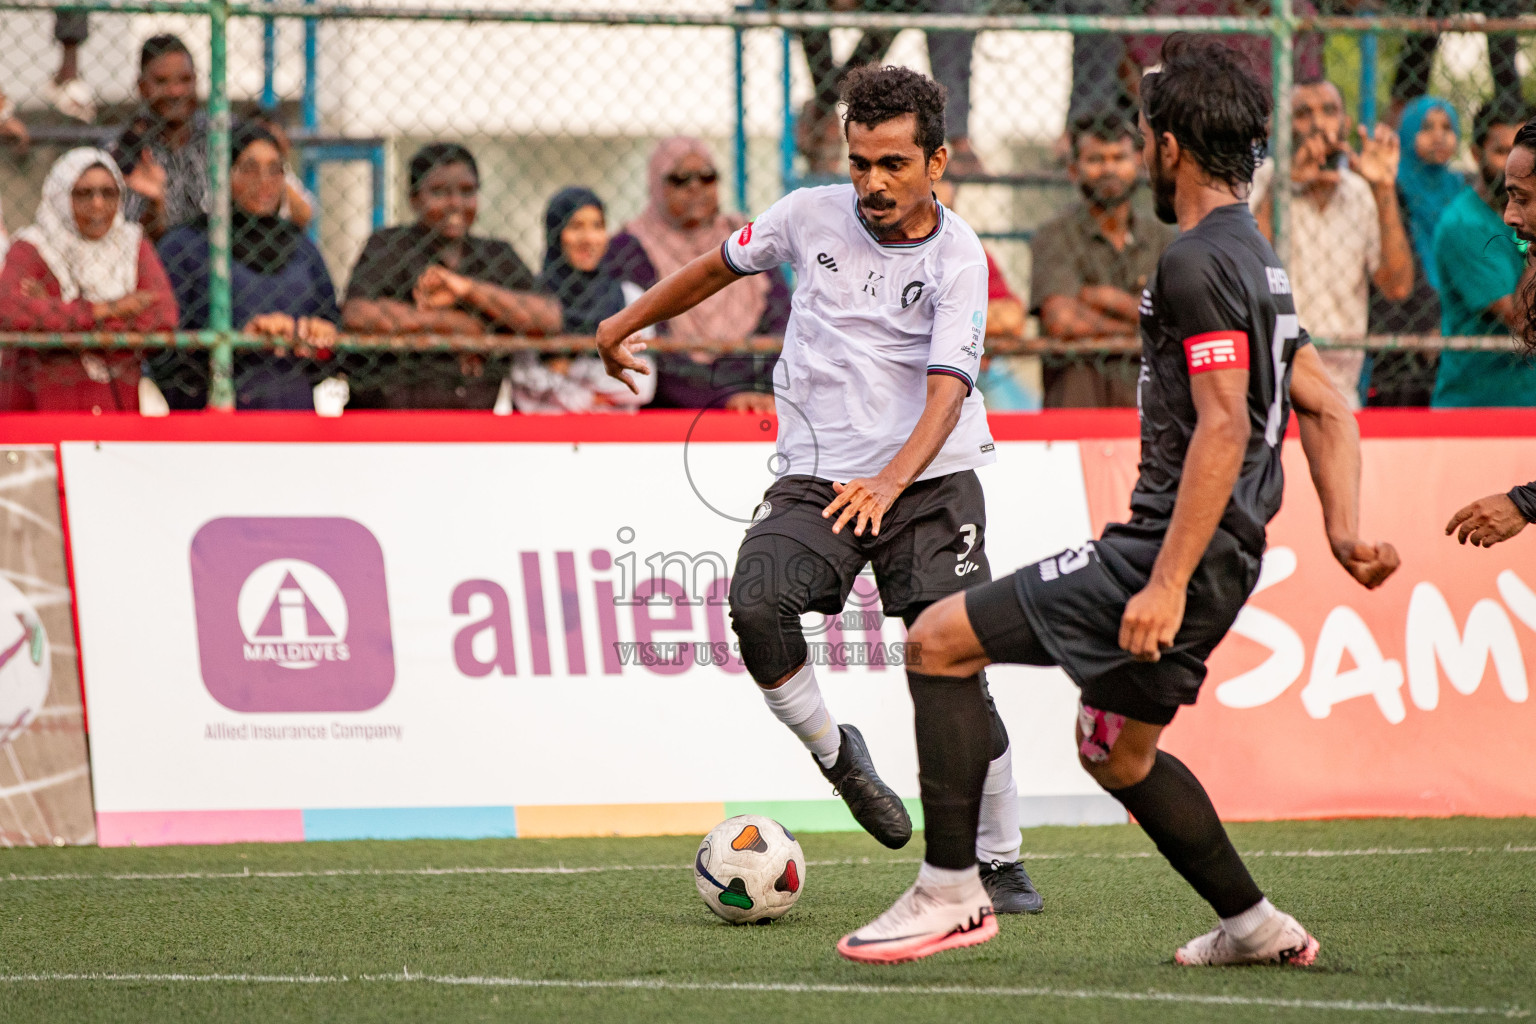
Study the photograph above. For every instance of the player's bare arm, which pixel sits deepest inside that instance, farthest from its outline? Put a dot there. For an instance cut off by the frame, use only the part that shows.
(1211, 467)
(868, 498)
(673, 295)
(1331, 439)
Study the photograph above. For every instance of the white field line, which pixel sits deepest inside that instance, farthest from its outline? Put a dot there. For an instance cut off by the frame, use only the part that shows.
(793, 988)
(561, 869)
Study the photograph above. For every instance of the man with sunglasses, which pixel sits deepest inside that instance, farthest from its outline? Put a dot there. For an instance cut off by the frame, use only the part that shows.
(882, 432)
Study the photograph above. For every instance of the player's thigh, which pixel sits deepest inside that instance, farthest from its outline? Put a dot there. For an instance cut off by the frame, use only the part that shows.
(783, 577)
(932, 543)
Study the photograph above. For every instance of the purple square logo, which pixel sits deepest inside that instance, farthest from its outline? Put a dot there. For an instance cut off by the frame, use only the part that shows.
(292, 614)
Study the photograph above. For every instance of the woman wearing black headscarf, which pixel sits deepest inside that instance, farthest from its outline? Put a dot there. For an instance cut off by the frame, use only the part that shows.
(581, 272)
(279, 285)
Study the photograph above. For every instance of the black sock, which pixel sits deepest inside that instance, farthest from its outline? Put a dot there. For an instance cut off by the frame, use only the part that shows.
(1173, 809)
(954, 746)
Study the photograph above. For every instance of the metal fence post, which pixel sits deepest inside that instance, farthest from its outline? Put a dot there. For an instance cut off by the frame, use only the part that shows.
(1283, 52)
(221, 359)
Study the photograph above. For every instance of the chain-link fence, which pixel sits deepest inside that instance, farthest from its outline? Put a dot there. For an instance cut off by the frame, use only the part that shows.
(389, 207)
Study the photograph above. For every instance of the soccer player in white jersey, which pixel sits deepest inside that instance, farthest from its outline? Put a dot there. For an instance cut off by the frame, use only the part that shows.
(880, 433)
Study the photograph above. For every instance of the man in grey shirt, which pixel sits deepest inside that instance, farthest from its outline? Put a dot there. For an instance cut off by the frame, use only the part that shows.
(1091, 263)
(164, 150)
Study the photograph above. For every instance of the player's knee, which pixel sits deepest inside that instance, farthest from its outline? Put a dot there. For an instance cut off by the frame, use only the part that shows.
(1121, 768)
(772, 643)
(1111, 763)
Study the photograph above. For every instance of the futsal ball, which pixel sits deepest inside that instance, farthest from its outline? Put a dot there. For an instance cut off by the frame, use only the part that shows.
(750, 869)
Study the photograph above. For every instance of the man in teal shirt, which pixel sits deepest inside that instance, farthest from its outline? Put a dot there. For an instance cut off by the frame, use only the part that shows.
(1480, 267)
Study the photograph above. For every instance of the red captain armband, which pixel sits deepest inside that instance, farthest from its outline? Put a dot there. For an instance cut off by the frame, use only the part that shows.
(746, 234)
(1216, 350)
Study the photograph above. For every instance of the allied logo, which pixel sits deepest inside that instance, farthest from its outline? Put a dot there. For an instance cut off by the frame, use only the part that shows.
(873, 282)
(827, 261)
(762, 512)
(911, 293)
(745, 236)
(26, 663)
(292, 614)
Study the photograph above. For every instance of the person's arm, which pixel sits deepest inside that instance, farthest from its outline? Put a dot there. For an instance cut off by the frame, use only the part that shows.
(1330, 437)
(24, 303)
(1057, 288)
(1211, 466)
(1005, 318)
(371, 307)
(1377, 163)
(1068, 317)
(148, 180)
(520, 312)
(301, 208)
(162, 314)
(674, 295)
(1113, 302)
(869, 498)
(1507, 309)
(391, 316)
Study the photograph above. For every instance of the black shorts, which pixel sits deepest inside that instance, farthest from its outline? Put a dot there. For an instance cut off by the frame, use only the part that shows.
(932, 541)
(1066, 611)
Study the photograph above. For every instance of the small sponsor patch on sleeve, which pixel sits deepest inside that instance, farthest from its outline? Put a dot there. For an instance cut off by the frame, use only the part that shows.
(746, 235)
(1216, 350)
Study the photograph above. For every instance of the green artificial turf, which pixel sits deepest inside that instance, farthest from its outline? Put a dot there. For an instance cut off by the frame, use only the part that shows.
(1432, 915)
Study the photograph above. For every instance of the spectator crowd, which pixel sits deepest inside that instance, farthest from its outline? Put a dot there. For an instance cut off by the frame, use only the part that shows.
(1387, 236)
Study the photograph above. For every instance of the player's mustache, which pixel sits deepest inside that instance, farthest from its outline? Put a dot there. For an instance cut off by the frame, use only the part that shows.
(878, 201)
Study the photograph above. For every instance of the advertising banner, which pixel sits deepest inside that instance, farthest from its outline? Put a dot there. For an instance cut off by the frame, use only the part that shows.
(1328, 700)
(45, 786)
(344, 640)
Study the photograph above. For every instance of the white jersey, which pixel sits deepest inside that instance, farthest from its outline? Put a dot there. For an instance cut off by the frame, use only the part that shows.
(869, 322)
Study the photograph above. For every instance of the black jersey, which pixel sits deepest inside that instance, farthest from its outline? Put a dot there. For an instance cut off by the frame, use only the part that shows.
(1218, 300)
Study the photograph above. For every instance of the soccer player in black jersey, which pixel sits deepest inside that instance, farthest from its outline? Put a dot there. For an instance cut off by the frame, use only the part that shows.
(1133, 616)
(1498, 517)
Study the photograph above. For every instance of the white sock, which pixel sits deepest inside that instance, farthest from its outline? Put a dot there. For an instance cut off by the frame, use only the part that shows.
(997, 833)
(949, 881)
(1249, 921)
(798, 705)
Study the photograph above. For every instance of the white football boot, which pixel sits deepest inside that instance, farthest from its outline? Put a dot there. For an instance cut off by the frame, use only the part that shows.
(924, 921)
(1280, 940)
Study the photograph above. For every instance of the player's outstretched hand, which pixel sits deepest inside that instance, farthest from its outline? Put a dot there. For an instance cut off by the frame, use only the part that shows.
(1151, 621)
(867, 498)
(1369, 564)
(618, 349)
(1486, 521)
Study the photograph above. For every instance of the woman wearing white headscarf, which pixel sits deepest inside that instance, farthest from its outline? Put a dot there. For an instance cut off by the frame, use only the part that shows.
(80, 267)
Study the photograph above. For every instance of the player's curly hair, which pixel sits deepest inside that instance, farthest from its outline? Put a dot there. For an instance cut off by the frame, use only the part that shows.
(874, 95)
(1206, 98)
(1525, 139)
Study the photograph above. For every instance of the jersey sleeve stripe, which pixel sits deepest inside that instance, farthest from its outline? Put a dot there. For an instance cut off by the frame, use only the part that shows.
(953, 371)
(725, 254)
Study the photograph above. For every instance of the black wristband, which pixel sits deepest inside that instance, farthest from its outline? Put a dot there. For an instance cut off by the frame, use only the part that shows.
(1524, 498)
